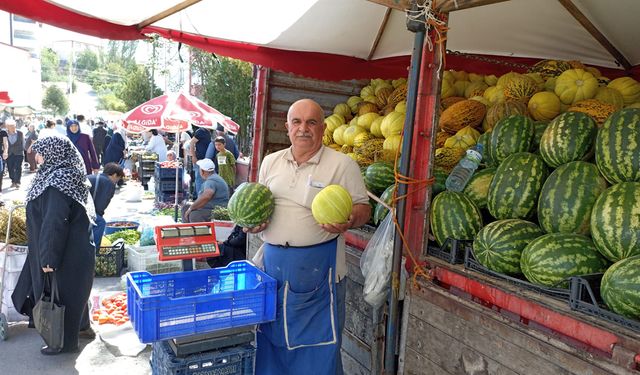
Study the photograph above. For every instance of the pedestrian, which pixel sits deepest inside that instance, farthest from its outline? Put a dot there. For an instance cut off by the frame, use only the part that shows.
(85, 147)
(115, 151)
(99, 134)
(103, 186)
(61, 128)
(214, 193)
(15, 154)
(199, 145)
(230, 145)
(85, 128)
(30, 137)
(4, 151)
(226, 163)
(60, 213)
(156, 144)
(306, 259)
(48, 130)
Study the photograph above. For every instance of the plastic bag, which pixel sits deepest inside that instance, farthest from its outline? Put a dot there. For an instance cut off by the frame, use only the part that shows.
(148, 226)
(375, 263)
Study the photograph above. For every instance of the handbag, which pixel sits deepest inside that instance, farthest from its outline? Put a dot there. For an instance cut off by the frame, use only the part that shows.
(48, 313)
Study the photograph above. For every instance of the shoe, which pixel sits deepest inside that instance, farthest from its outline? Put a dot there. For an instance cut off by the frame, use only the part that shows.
(88, 334)
(45, 350)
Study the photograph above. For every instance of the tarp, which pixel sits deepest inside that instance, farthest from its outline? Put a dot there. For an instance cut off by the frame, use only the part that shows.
(336, 39)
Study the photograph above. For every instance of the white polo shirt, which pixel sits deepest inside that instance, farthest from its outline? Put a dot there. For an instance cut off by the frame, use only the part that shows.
(294, 187)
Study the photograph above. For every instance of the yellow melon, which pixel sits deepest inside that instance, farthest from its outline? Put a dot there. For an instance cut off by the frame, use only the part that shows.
(544, 106)
(628, 87)
(392, 124)
(575, 85)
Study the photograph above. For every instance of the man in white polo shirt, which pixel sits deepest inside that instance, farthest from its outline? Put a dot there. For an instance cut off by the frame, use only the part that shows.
(307, 259)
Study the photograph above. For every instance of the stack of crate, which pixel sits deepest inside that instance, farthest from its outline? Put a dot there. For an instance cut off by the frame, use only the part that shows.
(165, 181)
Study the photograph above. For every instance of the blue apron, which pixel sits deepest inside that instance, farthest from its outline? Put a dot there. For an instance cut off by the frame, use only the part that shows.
(305, 337)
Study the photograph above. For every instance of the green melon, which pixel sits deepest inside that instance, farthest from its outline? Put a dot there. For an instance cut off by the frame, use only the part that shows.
(478, 186)
(251, 205)
(511, 135)
(620, 287)
(438, 185)
(498, 246)
(379, 176)
(567, 197)
(550, 259)
(332, 205)
(514, 190)
(618, 146)
(454, 215)
(568, 137)
(381, 211)
(538, 129)
(615, 221)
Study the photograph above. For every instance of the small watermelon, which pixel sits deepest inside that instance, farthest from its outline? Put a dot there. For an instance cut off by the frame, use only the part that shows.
(550, 259)
(455, 216)
(485, 141)
(538, 129)
(478, 186)
(498, 246)
(381, 211)
(511, 135)
(620, 287)
(568, 137)
(617, 154)
(615, 227)
(438, 185)
(251, 205)
(379, 176)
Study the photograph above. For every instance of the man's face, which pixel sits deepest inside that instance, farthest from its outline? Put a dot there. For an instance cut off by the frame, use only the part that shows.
(305, 125)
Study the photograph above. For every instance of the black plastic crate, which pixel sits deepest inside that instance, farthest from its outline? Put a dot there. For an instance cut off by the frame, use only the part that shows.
(585, 297)
(110, 260)
(161, 173)
(169, 197)
(238, 360)
(452, 250)
(471, 263)
(217, 340)
(168, 186)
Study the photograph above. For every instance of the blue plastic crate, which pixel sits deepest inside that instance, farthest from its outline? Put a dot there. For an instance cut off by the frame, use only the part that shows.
(238, 360)
(188, 303)
(166, 173)
(168, 186)
(169, 197)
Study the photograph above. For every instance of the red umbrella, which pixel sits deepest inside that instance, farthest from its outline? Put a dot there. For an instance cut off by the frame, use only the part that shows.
(174, 113)
(4, 97)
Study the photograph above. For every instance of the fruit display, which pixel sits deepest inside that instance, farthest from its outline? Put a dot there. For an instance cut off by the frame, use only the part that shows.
(616, 149)
(567, 138)
(252, 204)
(454, 215)
(619, 287)
(511, 135)
(477, 188)
(18, 235)
(113, 310)
(332, 205)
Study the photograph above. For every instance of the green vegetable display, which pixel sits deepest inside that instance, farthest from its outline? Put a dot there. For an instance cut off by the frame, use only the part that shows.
(130, 236)
(220, 213)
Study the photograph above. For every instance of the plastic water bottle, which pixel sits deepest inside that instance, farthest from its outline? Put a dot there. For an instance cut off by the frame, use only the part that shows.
(461, 173)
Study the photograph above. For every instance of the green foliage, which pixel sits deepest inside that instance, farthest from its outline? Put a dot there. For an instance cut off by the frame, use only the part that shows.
(86, 62)
(122, 53)
(109, 101)
(137, 88)
(50, 65)
(226, 86)
(55, 100)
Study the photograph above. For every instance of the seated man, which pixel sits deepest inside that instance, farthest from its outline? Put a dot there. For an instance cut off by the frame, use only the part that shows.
(214, 192)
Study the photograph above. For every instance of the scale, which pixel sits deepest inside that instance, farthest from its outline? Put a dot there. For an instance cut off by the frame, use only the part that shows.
(186, 241)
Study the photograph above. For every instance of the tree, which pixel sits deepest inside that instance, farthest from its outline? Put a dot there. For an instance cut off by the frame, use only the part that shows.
(122, 52)
(226, 85)
(137, 88)
(111, 102)
(86, 62)
(49, 64)
(55, 100)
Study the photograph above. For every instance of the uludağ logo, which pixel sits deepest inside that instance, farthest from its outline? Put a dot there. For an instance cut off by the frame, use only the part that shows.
(150, 109)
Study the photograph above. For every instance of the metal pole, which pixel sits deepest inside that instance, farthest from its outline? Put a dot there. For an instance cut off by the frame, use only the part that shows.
(175, 213)
(393, 322)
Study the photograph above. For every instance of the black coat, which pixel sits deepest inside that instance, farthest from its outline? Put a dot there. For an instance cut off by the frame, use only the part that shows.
(115, 150)
(59, 235)
(232, 249)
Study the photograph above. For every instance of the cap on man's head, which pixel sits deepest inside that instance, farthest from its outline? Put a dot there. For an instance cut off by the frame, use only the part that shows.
(206, 165)
(220, 128)
(10, 122)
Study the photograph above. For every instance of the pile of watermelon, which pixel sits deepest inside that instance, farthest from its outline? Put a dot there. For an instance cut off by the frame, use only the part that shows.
(553, 201)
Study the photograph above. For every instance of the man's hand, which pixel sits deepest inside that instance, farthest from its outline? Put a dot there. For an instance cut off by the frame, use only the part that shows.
(47, 269)
(256, 229)
(338, 228)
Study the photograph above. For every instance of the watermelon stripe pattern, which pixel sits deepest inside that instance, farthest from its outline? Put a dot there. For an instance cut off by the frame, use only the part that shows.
(514, 190)
(615, 221)
(499, 245)
(478, 187)
(511, 135)
(620, 285)
(618, 147)
(332, 205)
(554, 257)
(569, 137)
(379, 176)
(455, 216)
(251, 205)
(568, 196)
(381, 211)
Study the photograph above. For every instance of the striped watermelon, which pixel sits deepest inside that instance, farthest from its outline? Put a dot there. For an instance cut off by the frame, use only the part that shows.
(568, 196)
(615, 221)
(514, 190)
(379, 176)
(381, 211)
(454, 215)
(568, 137)
(538, 129)
(511, 135)
(498, 246)
(550, 259)
(485, 141)
(478, 186)
(618, 146)
(438, 185)
(251, 205)
(332, 205)
(620, 287)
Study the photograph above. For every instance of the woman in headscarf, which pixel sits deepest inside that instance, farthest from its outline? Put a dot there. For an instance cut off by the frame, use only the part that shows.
(85, 146)
(60, 214)
(114, 150)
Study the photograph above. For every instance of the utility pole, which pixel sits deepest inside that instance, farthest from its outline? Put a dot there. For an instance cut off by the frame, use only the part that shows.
(153, 68)
(71, 72)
